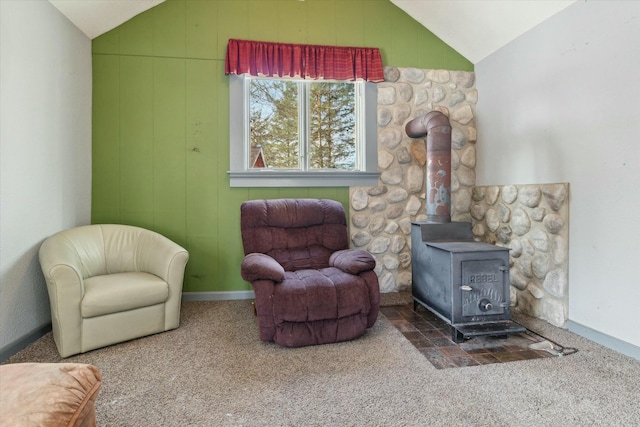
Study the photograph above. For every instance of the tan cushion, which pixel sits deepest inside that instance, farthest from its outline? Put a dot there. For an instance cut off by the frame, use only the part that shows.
(113, 293)
(48, 394)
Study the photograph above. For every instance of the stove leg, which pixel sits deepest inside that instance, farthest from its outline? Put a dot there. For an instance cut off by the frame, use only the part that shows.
(457, 336)
(415, 305)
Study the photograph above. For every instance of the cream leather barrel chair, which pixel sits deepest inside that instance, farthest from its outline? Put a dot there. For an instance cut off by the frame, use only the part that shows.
(110, 283)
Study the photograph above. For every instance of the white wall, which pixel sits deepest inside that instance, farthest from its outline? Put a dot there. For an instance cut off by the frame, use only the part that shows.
(45, 152)
(562, 104)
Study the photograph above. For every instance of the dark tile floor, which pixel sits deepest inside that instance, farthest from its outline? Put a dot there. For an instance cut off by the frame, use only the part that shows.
(432, 337)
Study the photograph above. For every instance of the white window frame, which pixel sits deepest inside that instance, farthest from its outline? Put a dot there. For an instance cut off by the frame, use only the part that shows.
(241, 175)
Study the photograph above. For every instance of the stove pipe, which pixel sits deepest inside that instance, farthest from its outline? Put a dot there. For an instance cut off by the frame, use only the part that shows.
(437, 129)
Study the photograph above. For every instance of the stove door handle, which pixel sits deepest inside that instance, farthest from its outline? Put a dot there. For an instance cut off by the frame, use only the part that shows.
(466, 288)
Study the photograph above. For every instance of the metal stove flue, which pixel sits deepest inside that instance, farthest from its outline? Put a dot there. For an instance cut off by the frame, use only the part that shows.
(464, 282)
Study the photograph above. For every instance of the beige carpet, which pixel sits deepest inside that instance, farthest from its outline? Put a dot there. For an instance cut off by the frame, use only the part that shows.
(213, 371)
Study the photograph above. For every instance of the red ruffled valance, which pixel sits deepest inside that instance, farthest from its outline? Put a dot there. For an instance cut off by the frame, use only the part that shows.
(307, 61)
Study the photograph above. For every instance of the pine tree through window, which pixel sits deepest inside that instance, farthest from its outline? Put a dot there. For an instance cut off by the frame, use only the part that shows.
(305, 125)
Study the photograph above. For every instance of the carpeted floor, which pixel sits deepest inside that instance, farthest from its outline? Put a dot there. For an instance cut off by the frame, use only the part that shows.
(213, 371)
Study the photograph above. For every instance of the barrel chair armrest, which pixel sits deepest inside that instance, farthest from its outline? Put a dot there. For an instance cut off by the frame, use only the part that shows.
(257, 266)
(160, 256)
(352, 261)
(61, 268)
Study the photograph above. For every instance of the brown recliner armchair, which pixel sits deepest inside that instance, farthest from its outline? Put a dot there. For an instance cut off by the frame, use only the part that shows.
(309, 287)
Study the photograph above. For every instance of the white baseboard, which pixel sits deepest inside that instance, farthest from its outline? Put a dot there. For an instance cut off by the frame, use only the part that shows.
(217, 296)
(615, 344)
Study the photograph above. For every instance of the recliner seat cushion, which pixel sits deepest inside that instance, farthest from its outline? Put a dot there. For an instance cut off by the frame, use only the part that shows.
(313, 307)
(316, 295)
(113, 293)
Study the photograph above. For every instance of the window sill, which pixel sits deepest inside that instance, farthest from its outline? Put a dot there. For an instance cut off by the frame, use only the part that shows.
(302, 179)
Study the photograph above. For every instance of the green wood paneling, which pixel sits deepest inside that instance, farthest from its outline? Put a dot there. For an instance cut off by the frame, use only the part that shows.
(404, 39)
(202, 185)
(322, 25)
(136, 140)
(377, 32)
(202, 274)
(292, 22)
(229, 249)
(431, 51)
(202, 178)
(233, 23)
(160, 113)
(454, 61)
(349, 23)
(222, 131)
(264, 193)
(201, 36)
(136, 35)
(169, 29)
(259, 27)
(296, 192)
(105, 189)
(107, 43)
(169, 148)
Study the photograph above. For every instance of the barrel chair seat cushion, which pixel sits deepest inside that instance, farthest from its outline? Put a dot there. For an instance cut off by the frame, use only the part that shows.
(110, 283)
(309, 287)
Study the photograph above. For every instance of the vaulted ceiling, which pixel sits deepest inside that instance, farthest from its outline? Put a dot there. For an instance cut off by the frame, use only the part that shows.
(474, 28)
(96, 17)
(477, 28)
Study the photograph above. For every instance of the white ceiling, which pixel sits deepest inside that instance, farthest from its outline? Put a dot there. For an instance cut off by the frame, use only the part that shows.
(477, 28)
(96, 17)
(474, 28)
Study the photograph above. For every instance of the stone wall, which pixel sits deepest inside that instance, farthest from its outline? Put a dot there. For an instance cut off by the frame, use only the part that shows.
(381, 216)
(533, 221)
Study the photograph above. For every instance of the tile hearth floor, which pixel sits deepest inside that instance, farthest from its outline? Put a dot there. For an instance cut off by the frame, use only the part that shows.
(432, 337)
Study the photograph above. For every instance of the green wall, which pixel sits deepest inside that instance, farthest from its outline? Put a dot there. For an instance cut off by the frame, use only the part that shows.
(160, 113)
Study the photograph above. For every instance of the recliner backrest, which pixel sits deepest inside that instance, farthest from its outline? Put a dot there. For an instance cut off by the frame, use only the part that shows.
(298, 233)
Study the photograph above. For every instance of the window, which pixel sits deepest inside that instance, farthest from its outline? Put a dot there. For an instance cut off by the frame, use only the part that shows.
(295, 132)
(304, 125)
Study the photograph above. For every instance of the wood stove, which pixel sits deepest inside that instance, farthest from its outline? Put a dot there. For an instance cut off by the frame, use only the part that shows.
(466, 283)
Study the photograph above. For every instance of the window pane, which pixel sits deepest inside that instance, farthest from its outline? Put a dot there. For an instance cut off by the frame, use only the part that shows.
(274, 124)
(332, 142)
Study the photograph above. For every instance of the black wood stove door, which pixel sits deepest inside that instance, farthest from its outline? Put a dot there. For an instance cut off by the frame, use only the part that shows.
(483, 287)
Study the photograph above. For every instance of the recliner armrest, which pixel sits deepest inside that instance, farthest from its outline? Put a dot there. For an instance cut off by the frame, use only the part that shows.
(353, 261)
(256, 266)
